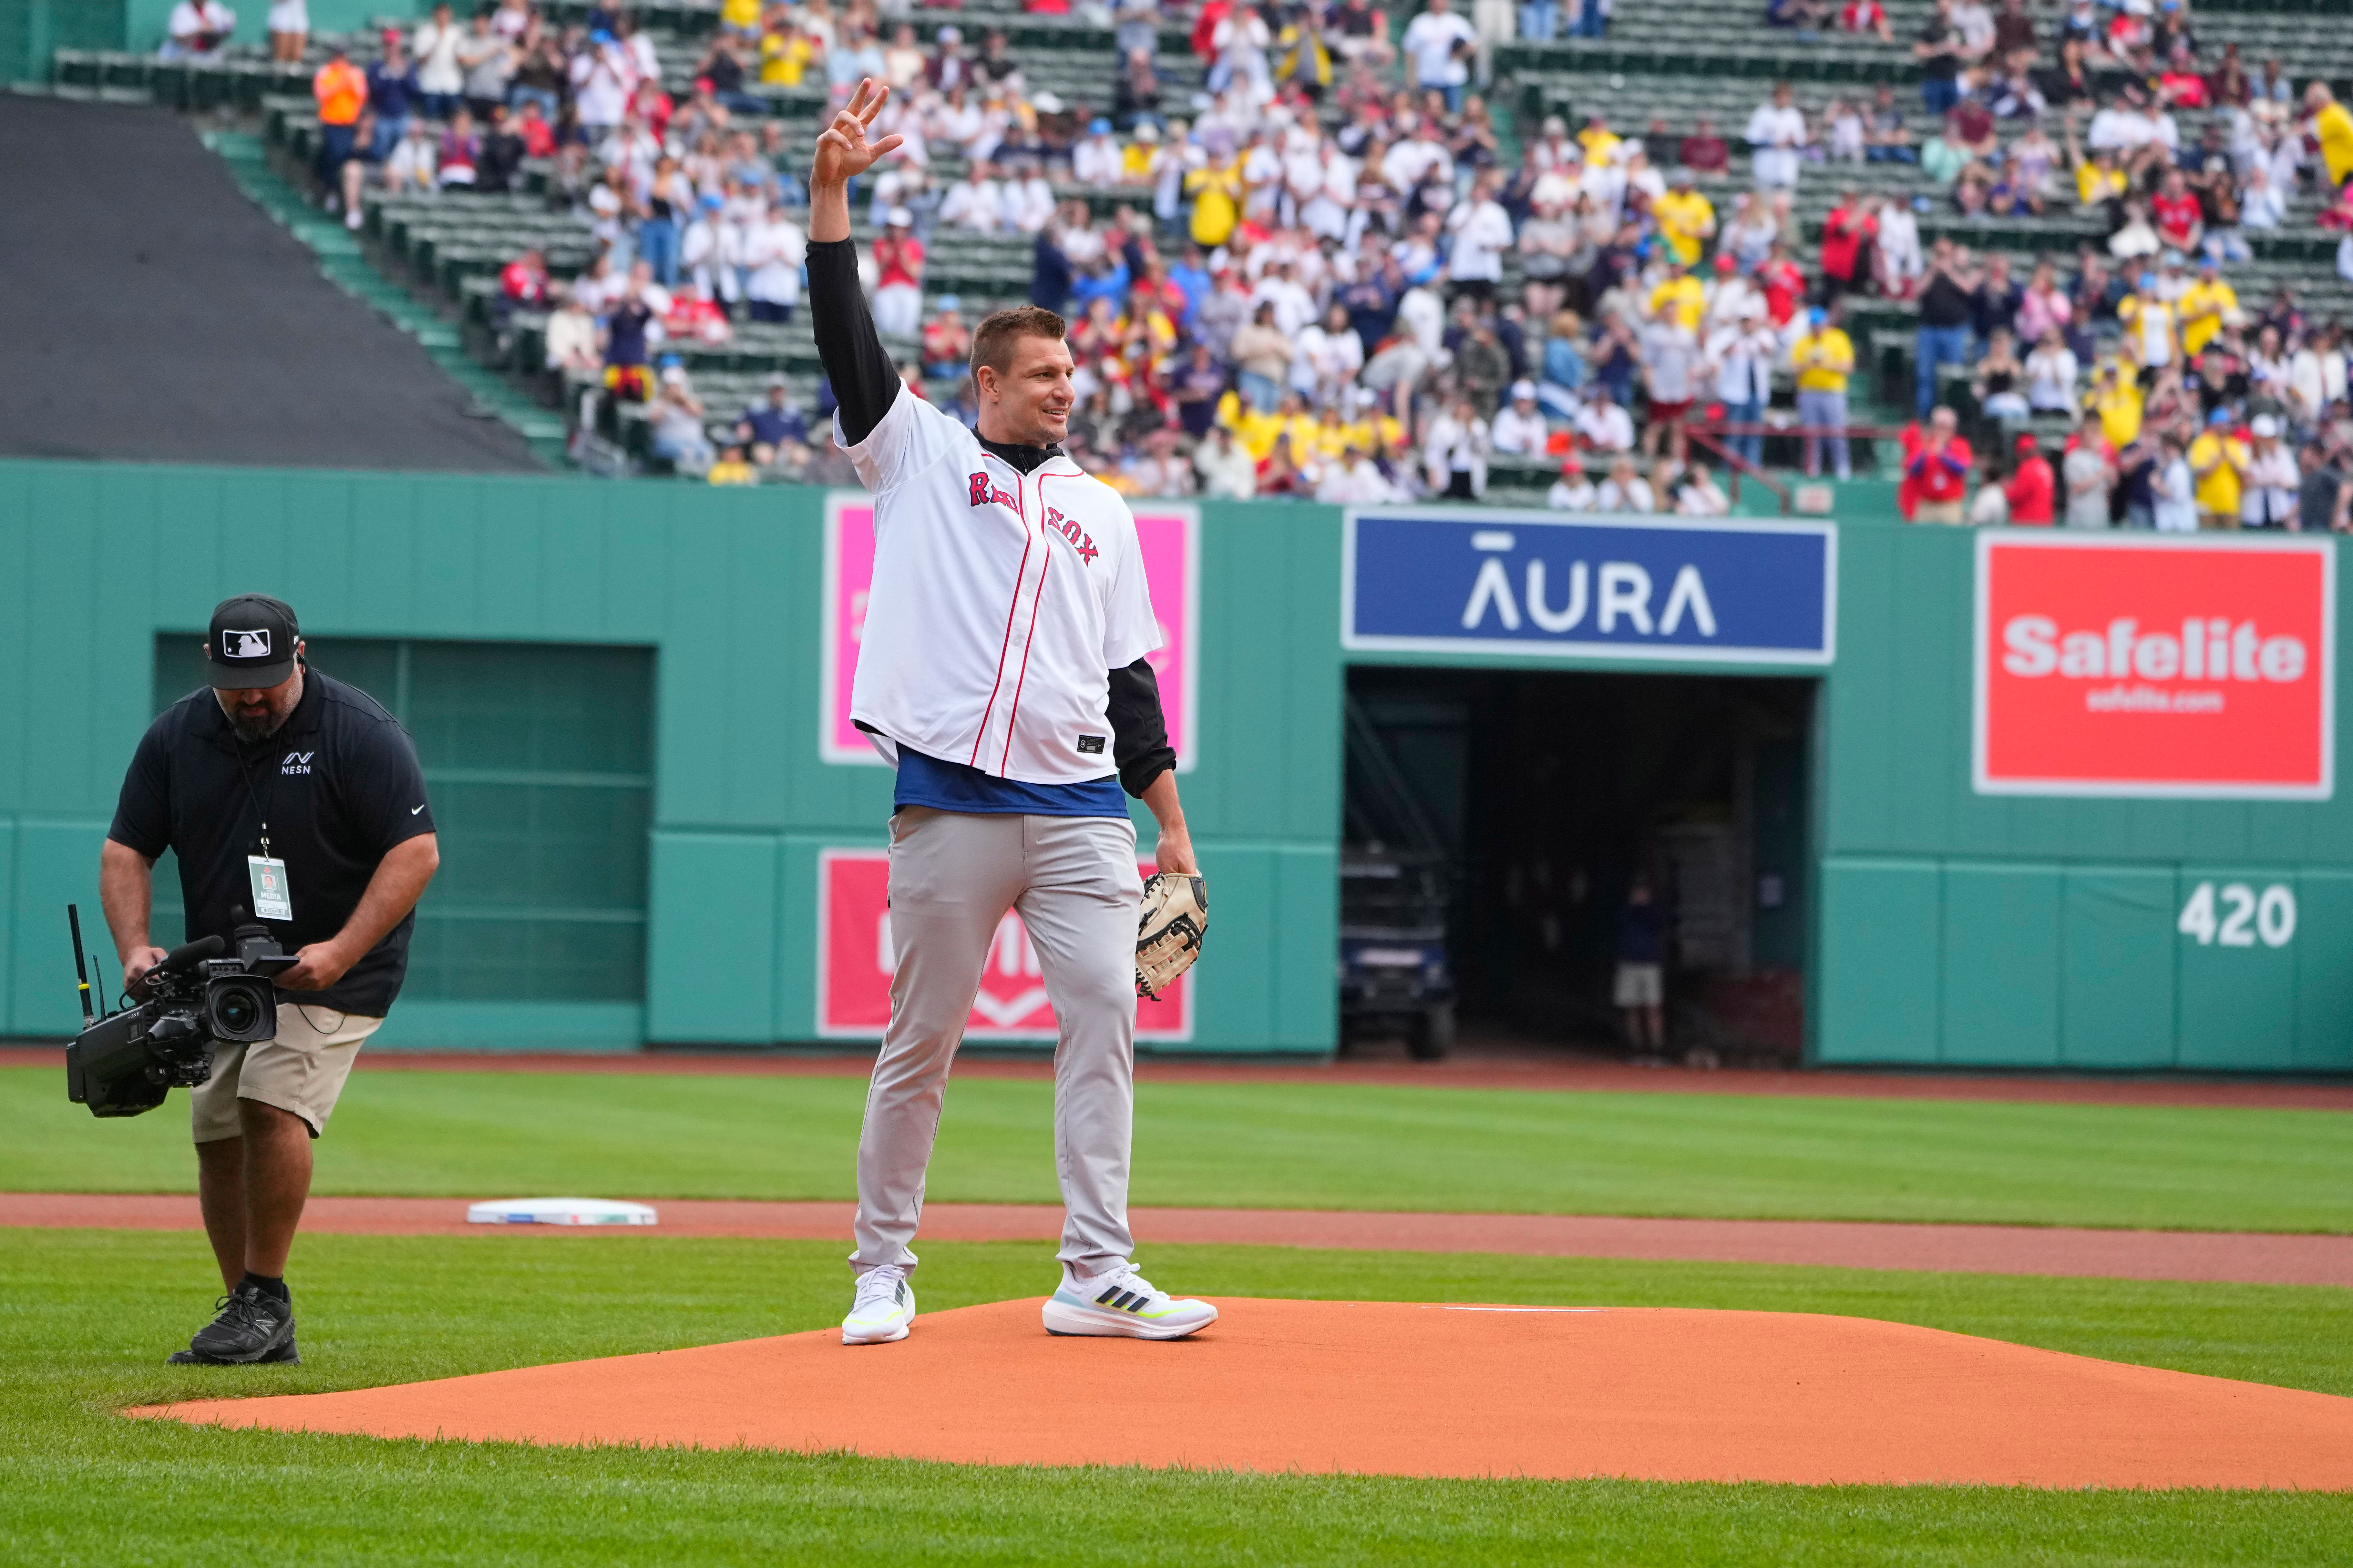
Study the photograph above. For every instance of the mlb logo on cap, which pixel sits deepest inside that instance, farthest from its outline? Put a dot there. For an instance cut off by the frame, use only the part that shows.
(251, 642)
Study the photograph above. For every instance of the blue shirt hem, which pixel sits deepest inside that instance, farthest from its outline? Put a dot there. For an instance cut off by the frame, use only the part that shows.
(951, 786)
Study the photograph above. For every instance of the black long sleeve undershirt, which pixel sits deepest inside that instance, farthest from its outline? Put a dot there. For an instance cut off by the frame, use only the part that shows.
(863, 376)
(1139, 733)
(864, 380)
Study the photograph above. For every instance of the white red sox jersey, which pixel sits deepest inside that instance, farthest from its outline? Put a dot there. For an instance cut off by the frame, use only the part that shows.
(1000, 601)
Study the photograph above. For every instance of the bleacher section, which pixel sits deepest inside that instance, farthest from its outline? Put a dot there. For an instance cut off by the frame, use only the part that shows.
(1666, 63)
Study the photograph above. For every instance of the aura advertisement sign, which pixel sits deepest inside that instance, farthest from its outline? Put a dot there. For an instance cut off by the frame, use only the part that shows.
(1673, 589)
(2141, 665)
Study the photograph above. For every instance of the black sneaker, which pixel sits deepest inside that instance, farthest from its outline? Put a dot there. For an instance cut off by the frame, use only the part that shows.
(253, 1326)
(284, 1354)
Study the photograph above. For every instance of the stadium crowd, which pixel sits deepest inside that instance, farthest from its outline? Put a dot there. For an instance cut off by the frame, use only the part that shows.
(1322, 275)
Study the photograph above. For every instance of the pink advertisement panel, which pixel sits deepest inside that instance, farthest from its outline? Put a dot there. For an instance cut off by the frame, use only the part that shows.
(1170, 536)
(856, 958)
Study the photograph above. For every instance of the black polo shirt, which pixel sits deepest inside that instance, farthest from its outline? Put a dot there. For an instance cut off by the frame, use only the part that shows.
(341, 787)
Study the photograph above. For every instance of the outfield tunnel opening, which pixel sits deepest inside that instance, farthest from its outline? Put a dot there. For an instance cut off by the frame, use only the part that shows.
(1529, 801)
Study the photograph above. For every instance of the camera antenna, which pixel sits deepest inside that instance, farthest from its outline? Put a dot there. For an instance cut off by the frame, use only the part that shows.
(82, 975)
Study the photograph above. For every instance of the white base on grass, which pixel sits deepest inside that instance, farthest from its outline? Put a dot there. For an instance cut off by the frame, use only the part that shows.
(558, 1211)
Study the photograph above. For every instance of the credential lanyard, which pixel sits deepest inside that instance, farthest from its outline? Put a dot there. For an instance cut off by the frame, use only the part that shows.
(259, 809)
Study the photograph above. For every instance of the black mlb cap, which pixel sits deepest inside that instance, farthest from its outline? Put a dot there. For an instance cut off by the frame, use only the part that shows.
(251, 643)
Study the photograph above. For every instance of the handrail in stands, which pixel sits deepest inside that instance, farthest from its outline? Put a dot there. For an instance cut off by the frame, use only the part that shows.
(1738, 466)
(1708, 434)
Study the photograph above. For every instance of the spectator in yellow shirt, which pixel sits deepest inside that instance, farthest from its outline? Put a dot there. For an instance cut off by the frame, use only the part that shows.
(2117, 400)
(1687, 218)
(1305, 431)
(1378, 431)
(1333, 434)
(2332, 127)
(2099, 179)
(1254, 432)
(1217, 192)
(1135, 162)
(1823, 357)
(1600, 143)
(785, 54)
(1680, 292)
(2217, 461)
(2201, 306)
(732, 469)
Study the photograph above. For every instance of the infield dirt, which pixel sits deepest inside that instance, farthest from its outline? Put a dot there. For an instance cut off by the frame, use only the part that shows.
(1384, 1388)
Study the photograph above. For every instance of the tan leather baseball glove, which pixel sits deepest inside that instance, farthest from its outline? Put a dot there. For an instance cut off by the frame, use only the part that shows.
(1176, 916)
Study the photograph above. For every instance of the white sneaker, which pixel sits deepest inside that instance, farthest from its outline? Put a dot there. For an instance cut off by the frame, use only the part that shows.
(885, 1307)
(1122, 1304)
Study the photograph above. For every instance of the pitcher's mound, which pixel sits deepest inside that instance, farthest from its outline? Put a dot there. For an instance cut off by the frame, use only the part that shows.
(1664, 1395)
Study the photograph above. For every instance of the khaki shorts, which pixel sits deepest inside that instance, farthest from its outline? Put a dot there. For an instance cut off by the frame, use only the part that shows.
(1938, 511)
(1640, 986)
(300, 1071)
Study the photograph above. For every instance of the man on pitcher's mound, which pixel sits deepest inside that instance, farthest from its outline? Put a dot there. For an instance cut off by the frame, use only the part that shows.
(1002, 672)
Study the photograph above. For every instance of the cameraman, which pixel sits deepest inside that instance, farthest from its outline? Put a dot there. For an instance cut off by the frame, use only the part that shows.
(299, 798)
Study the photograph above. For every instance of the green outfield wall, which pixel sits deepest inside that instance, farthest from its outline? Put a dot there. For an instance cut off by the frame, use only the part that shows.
(606, 888)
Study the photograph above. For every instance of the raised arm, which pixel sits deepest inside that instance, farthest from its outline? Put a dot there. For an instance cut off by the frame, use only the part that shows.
(864, 381)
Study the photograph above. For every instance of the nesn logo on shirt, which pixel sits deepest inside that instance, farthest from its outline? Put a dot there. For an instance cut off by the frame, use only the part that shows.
(297, 763)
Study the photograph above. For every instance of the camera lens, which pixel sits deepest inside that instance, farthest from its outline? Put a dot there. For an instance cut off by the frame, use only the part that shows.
(240, 1009)
(237, 1011)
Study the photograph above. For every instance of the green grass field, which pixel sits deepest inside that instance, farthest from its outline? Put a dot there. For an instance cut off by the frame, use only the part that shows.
(1277, 1146)
(90, 1315)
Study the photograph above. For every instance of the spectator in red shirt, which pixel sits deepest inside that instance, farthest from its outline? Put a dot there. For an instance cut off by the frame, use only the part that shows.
(1865, 16)
(2180, 84)
(898, 276)
(947, 341)
(1784, 283)
(695, 317)
(1847, 234)
(1936, 464)
(538, 135)
(2031, 488)
(1204, 28)
(653, 108)
(2180, 221)
(524, 280)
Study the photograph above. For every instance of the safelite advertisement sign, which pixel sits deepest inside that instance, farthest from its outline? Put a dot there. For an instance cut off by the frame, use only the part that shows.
(1169, 538)
(856, 955)
(2140, 665)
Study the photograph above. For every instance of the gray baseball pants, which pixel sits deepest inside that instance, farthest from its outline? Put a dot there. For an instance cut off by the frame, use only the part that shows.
(952, 877)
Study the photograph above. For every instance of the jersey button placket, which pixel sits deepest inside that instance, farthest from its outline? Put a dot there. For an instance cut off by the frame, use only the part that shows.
(1032, 488)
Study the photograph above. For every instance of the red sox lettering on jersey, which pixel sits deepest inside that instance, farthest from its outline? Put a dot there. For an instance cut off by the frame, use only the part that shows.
(1000, 602)
(985, 493)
